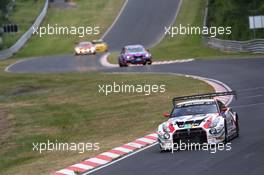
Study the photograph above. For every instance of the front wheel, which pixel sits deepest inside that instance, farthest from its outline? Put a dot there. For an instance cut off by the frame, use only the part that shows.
(149, 62)
(122, 65)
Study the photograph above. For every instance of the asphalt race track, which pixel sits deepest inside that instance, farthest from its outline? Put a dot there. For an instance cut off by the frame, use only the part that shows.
(246, 76)
(141, 22)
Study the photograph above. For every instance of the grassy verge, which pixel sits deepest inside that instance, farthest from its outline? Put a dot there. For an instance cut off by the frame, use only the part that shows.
(112, 58)
(24, 17)
(69, 108)
(86, 13)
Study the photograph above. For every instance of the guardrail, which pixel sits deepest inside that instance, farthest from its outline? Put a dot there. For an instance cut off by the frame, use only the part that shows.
(4, 54)
(255, 46)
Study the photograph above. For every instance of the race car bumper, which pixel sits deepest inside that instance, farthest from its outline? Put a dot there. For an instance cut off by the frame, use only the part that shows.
(137, 60)
(85, 51)
(189, 136)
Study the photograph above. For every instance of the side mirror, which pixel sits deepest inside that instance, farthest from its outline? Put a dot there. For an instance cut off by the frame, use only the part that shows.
(224, 109)
(166, 114)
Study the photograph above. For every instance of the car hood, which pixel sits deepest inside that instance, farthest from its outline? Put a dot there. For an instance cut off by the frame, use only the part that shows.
(192, 117)
(84, 47)
(136, 54)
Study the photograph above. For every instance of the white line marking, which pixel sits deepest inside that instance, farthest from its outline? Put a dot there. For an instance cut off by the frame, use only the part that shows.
(65, 171)
(104, 62)
(172, 22)
(125, 150)
(117, 17)
(153, 135)
(115, 161)
(82, 166)
(146, 140)
(96, 160)
(136, 145)
(110, 155)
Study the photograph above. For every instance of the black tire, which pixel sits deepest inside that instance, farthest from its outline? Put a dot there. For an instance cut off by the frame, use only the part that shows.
(145, 63)
(226, 134)
(122, 65)
(149, 62)
(237, 126)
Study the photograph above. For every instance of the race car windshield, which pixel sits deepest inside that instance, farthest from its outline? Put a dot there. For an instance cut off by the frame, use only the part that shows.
(195, 109)
(135, 49)
(85, 44)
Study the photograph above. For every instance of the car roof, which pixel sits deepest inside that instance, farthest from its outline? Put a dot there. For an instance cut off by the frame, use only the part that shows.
(134, 46)
(199, 101)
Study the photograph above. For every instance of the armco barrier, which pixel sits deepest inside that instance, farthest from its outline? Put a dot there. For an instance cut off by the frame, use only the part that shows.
(4, 54)
(255, 46)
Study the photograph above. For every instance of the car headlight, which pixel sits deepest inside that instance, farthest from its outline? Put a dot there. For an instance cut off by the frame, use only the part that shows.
(77, 49)
(127, 57)
(165, 128)
(148, 55)
(166, 135)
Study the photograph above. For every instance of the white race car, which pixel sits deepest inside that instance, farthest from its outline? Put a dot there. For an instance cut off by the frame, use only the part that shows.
(198, 119)
(83, 48)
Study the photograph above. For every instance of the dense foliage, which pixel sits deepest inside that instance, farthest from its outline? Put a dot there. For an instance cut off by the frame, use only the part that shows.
(3, 9)
(235, 13)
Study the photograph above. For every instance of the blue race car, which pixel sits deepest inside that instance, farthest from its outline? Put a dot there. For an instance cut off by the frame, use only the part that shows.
(134, 54)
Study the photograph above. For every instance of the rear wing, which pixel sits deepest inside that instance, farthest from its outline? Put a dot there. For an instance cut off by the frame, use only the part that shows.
(203, 96)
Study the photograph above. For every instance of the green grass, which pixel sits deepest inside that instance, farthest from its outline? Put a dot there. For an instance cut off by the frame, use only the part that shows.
(24, 15)
(69, 108)
(113, 57)
(86, 13)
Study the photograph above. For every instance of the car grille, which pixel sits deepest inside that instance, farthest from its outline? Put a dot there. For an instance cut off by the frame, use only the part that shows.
(191, 122)
(192, 135)
(138, 57)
